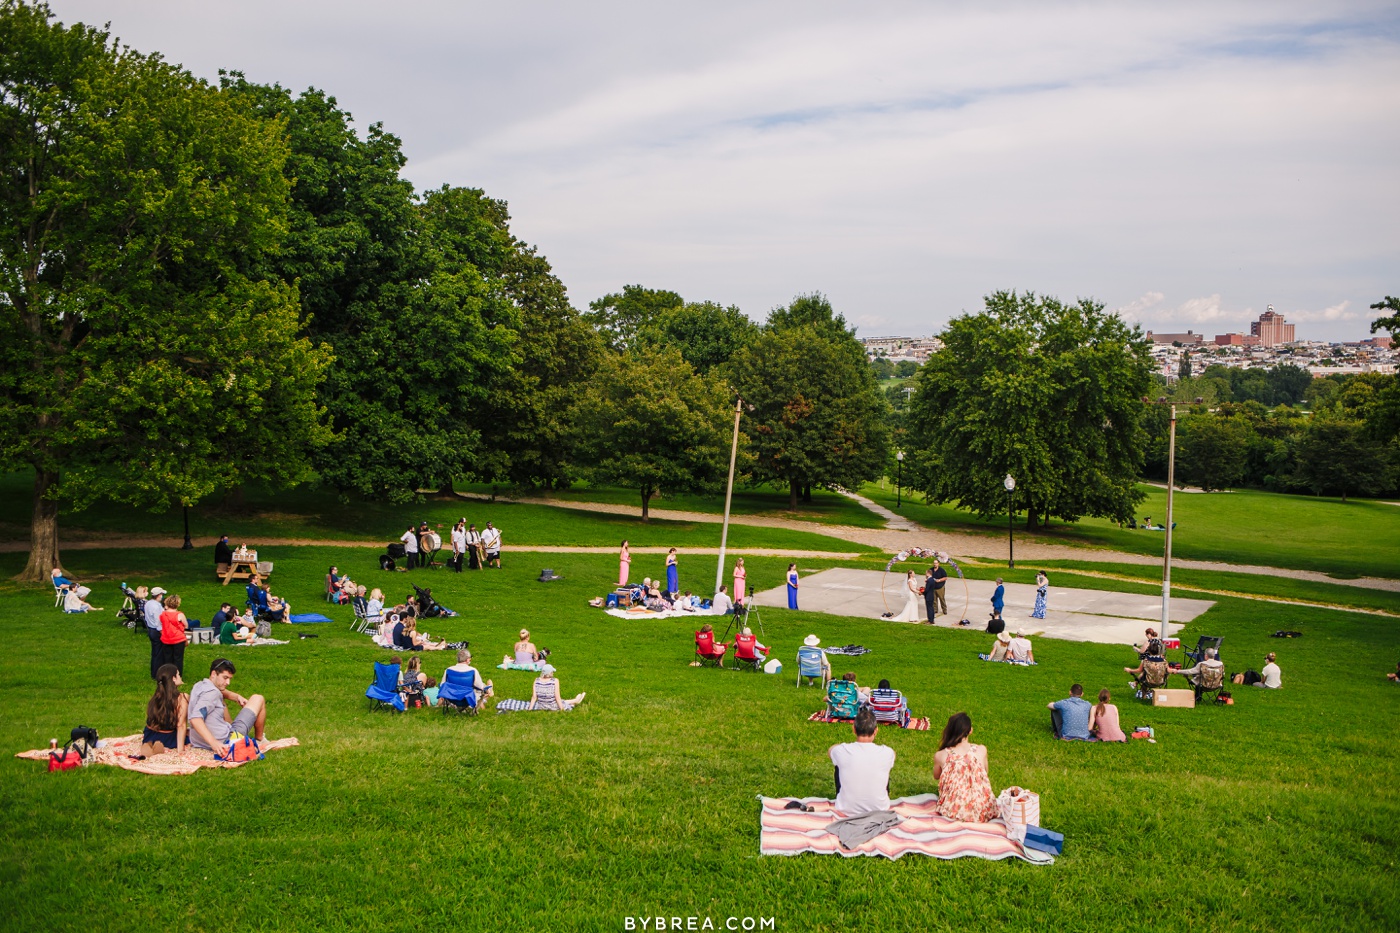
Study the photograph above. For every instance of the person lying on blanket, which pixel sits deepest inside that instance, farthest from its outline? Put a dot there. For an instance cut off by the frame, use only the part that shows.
(165, 715)
(862, 770)
(484, 688)
(210, 722)
(545, 694)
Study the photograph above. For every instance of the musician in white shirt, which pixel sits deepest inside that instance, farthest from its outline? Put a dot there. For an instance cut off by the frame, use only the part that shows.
(459, 544)
(491, 541)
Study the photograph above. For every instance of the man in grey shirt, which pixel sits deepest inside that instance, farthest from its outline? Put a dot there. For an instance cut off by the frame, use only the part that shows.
(155, 605)
(210, 723)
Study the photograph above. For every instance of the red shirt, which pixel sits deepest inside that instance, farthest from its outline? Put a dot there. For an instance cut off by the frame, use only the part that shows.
(172, 627)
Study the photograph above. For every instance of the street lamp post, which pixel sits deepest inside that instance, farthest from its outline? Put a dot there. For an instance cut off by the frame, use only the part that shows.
(1010, 484)
(188, 545)
(728, 495)
(1167, 553)
(899, 479)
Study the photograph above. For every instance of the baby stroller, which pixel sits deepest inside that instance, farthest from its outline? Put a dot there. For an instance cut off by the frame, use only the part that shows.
(132, 614)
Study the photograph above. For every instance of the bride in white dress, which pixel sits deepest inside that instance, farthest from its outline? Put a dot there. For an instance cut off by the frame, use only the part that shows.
(911, 603)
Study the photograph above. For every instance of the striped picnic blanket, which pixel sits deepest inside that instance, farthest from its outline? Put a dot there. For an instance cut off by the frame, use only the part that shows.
(118, 752)
(923, 832)
(523, 706)
(916, 723)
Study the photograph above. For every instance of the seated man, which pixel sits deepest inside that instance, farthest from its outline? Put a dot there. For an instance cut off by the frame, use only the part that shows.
(889, 705)
(60, 581)
(1018, 650)
(811, 651)
(1271, 678)
(1070, 717)
(210, 723)
(1209, 674)
(722, 604)
(257, 595)
(747, 645)
(484, 688)
(862, 770)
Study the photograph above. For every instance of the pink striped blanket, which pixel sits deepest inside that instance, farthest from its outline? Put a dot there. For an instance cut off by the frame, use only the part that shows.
(118, 752)
(916, 723)
(923, 832)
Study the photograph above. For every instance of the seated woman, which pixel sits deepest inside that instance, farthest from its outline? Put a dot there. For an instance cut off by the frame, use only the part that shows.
(73, 601)
(420, 641)
(333, 591)
(165, 715)
(1103, 720)
(960, 768)
(545, 694)
(889, 705)
(374, 609)
(413, 681)
(999, 648)
(862, 692)
(525, 650)
(655, 601)
(277, 610)
(237, 629)
(1151, 649)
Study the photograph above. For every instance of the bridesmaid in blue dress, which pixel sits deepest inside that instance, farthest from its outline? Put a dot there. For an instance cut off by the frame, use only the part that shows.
(1042, 589)
(792, 586)
(673, 576)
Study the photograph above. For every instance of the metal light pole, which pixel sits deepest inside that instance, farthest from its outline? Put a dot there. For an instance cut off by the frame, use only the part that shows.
(1167, 554)
(188, 545)
(899, 479)
(1010, 484)
(728, 495)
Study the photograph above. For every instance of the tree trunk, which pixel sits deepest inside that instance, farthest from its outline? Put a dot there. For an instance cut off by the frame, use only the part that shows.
(1031, 516)
(807, 493)
(43, 531)
(447, 490)
(646, 502)
(793, 489)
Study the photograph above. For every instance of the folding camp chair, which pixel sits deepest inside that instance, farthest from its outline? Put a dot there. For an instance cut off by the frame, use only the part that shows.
(1209, 680)
(889, 707)
(809, 664)
(708, 651)
(1153, 677)
(746, 653)
(384, 692)
(1202, 643)
(332, 591)
(459, 690)
(60, 592)
(842, 700)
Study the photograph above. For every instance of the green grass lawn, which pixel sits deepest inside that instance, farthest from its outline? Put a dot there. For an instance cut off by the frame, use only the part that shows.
(1358, 538)
(1273, 814)
(827, 508)
(318, 515)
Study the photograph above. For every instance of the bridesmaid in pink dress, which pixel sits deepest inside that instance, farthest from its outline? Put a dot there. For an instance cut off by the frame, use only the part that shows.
(960, 768)
(740, 578)
(624, 564)
(1103, 720)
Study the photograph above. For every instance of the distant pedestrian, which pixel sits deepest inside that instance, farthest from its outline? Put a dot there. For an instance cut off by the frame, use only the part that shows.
(741, 579)
(792, 586)
(996, 624)
(1042, 593)
(673, 575)
(624, 564)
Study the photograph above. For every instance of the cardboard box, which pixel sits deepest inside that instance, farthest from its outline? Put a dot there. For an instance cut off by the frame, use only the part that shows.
(1182, 698)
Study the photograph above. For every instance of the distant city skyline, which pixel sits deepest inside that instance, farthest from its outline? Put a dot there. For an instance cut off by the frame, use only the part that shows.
(1187, 164)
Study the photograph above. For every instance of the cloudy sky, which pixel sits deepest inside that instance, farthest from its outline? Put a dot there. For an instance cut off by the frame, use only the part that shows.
(1187, 163)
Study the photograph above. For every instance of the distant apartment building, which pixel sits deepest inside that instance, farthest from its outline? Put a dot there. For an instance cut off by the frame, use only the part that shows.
(1187, 339)
(1237, 340)
(1271, 329)
(917, 349)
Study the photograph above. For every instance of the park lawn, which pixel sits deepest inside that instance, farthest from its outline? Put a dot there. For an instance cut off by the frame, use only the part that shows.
(317, 515)
(1360, 537)
(1271, 814)
(827, 508)
(1331, 594)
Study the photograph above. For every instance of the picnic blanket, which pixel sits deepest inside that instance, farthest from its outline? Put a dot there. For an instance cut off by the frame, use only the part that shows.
(854, 651)
(118, 752)
(308, 618)
(523, 706)
(916, 723)
(922, 832)
(988, 657)
(533, 666)
(259, 641)
(643, 613)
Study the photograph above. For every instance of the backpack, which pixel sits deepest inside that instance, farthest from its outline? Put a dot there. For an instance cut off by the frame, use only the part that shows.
(240, 750)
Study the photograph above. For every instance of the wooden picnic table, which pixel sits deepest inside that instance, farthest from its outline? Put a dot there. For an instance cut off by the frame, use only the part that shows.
(239, 570)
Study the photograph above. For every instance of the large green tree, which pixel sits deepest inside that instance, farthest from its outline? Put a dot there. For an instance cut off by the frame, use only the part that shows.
(706, 333)
(1336, 455)
(623, 317)
(819, 418)
(1047, 392)
(143, 355)
(1212, 452)
(649, 422)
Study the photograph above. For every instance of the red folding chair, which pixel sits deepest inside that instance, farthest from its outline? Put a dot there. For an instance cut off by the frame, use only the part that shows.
(708, 651)
(746, 653)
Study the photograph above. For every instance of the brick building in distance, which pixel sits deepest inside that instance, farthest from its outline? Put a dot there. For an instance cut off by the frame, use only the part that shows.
(1271, 329)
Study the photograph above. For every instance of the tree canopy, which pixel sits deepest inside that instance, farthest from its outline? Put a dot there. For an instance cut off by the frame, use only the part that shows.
(144, 355)
(1047, 392)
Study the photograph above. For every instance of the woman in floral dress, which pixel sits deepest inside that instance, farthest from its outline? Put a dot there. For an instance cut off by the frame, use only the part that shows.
(960, 768)
(1042, 591)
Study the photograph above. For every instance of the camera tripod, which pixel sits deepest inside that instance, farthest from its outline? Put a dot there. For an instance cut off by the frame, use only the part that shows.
(741, 616)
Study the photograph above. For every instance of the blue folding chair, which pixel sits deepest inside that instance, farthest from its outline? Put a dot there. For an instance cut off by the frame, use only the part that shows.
(459, 690)
(385, 689)
(809, 664)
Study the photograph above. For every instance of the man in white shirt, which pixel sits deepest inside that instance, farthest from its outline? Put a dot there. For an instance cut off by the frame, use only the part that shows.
(473, 547)
(1020, 649)
(410, 547)
(721, 604)
(491, 542)
(1273, 677)
(459, 545)
(862, 770)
